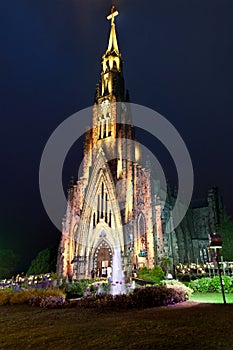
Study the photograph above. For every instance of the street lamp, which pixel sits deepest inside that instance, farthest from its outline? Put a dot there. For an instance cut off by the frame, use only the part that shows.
(216, 244)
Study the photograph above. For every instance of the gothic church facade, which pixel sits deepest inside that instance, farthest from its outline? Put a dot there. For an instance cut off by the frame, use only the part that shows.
(114, 205)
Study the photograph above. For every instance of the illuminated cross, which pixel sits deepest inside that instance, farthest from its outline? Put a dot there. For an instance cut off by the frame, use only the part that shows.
(113, 14)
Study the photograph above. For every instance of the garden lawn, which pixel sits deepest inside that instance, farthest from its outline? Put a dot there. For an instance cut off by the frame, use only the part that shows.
(184, 326)
(211, 298)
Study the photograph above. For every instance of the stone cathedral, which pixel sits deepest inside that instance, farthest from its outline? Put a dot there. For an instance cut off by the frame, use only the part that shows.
(113, 206)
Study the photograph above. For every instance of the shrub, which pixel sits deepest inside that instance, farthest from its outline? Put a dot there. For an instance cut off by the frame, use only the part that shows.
(227, 283)
(94, 288)
(187, 277)
(50, 302)
(143, 271)
(103, 288)
(50, 298)
(21, 297)
(35, 300)
(201, 285)
(76, 289)
(209, 284)
(158, 296)
(155, 275)
(120, 301)
(8, 296)
(142, 297)
(50, 292)
(5, 295)
(177, 285)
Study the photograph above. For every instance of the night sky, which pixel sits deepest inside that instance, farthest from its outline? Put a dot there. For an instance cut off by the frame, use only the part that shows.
(177, 60)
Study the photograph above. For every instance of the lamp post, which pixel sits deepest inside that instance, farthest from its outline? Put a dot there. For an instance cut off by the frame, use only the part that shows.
(216, 244)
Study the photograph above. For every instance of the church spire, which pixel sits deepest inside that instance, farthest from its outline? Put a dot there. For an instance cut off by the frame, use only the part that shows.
(112, 44)
(112, 78)
(112, 57)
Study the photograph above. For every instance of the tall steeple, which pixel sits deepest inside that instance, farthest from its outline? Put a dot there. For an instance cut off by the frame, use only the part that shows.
(112, 44)
(112, 78)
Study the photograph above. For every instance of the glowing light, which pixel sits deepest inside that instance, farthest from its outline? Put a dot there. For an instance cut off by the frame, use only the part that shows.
(137, 153)
(119, 163)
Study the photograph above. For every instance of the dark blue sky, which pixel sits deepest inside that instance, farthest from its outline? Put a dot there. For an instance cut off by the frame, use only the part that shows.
(177, 60)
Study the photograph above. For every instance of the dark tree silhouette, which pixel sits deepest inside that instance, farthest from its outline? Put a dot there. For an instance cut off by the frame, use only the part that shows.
(8, 262)
(44, 262)
(226, 231)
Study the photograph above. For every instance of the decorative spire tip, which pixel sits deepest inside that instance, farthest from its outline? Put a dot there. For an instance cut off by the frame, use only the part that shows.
(113, 14)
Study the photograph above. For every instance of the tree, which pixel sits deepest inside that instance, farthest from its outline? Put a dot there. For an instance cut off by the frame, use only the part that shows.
(226, 231)
(8, 262)
(44, 262)
(165, 262)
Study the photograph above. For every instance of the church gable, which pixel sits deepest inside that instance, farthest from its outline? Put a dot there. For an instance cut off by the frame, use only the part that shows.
(100, 216)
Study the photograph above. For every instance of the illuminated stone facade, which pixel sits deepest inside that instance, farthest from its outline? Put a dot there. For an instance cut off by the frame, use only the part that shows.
(114, 205)
(111, 206)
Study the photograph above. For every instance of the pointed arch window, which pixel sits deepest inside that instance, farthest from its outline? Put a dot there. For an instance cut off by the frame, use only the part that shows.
(142, 235)
(104, 128)
(102, 200)
(106, 207)
(98, 209)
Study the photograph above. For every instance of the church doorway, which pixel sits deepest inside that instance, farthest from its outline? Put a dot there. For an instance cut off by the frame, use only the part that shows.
(102, 259)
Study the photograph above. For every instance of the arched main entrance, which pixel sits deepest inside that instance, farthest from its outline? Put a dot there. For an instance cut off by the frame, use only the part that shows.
(102, 259)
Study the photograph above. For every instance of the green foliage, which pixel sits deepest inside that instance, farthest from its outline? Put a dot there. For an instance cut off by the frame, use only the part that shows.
(8, 262)
(165, 262)
(155, 275)
(208, 284)
(177, 284)
(55, 276)
(227, 283)
(103, 288)
(187, 277)
(143, 271)
(157, 272)
(44, 262)
(77, 288)
(202, 284)
(226, 231)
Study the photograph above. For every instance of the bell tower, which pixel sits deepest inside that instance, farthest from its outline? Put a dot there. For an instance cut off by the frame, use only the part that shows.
(111, 118)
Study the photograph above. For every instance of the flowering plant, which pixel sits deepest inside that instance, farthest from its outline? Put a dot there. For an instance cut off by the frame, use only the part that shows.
(50, 302)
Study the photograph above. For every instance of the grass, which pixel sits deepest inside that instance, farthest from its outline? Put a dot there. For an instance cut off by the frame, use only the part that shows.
(185, 326)
(216, 298)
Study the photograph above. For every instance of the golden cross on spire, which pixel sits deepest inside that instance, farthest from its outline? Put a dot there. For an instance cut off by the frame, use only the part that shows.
(113, 14)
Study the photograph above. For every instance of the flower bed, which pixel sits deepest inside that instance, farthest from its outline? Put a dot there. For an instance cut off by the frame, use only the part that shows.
(50, 302)
(12, 297)
(142, 297)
